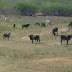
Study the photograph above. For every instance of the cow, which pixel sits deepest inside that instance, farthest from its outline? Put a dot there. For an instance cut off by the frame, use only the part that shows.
(65, 37)
(48, 22)
(14, 25)
(34, 37)
(26, 26)
(54, 31)
(43, 25)
(5, 35)
(70, 24)
(37, 24)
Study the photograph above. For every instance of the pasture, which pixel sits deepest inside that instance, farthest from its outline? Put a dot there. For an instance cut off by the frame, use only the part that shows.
(18, 54)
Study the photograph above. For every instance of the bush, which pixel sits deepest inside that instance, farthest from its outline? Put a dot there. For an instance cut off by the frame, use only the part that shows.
(57, 9)
(25, 9)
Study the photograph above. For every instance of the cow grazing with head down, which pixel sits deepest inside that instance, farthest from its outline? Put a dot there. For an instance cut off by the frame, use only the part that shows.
(26, 26)
(34, 37)
(65, 37)
(6, 35)
(55, 31)
(70, 24)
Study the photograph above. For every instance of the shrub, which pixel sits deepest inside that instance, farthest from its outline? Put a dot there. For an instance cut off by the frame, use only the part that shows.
(25, 9)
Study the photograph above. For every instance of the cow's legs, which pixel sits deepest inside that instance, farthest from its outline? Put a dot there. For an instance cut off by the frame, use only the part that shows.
(39, 40)
(54, 33)
(67, 42)
(61, 41)
(32, 41)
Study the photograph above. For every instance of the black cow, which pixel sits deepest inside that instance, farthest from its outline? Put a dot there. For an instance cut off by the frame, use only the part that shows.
(14, 25)
(6, 35)
(54, 31)
(67, 38)
(26, 26)
(34, 37)
(43, 25)
(70, 24)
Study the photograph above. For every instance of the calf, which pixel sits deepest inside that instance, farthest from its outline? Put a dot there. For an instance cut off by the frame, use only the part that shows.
(6, 35)
(64, 37)
(27, 25)
(34, 37)
(54, 31)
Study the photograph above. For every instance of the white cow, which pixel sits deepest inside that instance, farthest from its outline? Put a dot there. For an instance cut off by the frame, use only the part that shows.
(5, 18)
(48, 22)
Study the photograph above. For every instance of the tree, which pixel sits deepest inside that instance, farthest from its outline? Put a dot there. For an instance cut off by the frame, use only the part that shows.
(25, 9)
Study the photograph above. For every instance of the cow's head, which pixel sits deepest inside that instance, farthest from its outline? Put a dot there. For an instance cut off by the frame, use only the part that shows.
(30, 35)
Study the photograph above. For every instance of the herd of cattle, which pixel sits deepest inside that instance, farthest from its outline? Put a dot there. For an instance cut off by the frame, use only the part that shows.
(37, 37)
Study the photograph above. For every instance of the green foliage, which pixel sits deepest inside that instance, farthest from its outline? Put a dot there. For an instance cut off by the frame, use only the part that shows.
(48, 7)
(2, 4)
(57, 9)
(26, 9)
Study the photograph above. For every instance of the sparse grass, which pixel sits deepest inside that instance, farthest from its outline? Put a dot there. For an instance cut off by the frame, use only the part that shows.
(20, 55)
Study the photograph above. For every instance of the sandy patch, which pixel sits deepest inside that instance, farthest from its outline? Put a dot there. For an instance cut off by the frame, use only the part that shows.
(26, 38)
(62, 59)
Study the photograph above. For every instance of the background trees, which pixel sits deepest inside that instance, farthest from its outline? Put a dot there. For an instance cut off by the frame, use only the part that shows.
(25, 9)
(30, 7)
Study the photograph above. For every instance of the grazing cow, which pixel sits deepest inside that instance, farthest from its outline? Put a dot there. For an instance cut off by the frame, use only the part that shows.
(27, 25)
(70, 24)
(43, 25)
(54, 31)
(34, 37)
(37, 24)
(64, 37)
(14, 25)
(6, 35)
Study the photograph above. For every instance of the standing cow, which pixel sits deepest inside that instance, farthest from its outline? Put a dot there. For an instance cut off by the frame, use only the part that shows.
(67, 38)
(34, 37)
(26, 26)
(55, 31)
(6, 35)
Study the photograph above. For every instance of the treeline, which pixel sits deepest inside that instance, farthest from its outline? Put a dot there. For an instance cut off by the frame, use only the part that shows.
(23, 8)
(53, 9)
(57, 9)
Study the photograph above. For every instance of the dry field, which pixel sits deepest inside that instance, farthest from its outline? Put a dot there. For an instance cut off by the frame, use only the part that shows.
(19, 55)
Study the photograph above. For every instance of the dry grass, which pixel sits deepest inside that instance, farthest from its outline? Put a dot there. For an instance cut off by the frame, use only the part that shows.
(20, 55)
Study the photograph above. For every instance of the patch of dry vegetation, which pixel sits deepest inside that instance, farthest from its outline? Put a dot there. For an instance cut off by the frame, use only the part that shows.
(20, 55)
